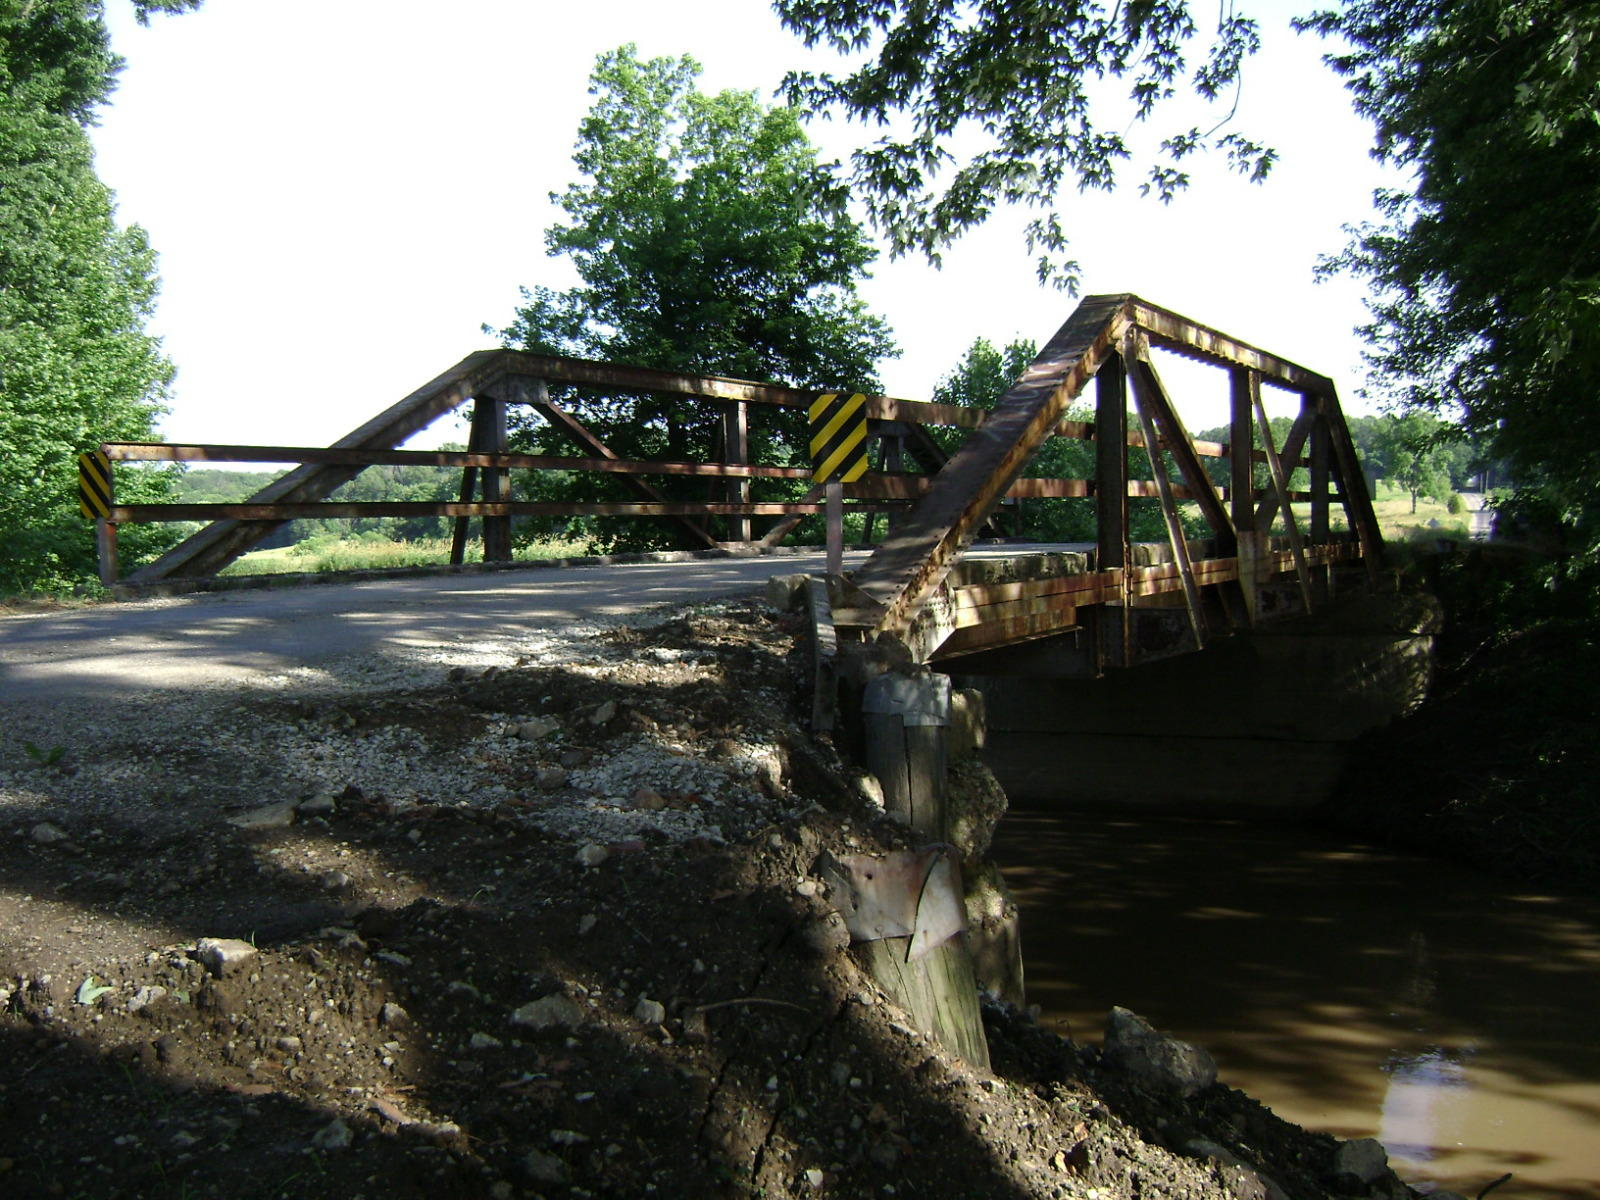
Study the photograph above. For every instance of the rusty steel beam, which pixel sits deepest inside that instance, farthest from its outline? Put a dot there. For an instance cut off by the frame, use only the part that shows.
(903, 573)
(214, 547)
(283, 511)
(1193, 340)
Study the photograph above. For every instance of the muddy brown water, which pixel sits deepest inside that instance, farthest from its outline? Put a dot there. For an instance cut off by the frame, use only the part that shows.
(1352, 989)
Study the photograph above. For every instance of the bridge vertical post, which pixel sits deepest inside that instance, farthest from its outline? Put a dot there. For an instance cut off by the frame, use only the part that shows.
(1111, 499)
(105, 542)
(1321, 453)
(1243, 386)
(489, 426)
(736, 452)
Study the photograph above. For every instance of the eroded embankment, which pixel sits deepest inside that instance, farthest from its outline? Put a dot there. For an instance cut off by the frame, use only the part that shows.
(521, 921)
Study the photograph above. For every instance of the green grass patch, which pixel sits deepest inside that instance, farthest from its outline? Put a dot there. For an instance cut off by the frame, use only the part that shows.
(322, 554)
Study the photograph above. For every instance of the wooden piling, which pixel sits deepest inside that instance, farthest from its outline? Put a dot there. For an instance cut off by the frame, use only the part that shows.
(907, 719)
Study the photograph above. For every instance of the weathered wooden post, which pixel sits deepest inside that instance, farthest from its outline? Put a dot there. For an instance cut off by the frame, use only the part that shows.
(736, 452)
(907, 718)
(1111, 500)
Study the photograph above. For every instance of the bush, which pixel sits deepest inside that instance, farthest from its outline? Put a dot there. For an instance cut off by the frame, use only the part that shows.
(1455, 506)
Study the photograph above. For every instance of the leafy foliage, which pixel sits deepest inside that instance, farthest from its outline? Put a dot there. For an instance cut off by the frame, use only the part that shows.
(1023, 81)
(1486, 272)
(76, 367)
(708, 239)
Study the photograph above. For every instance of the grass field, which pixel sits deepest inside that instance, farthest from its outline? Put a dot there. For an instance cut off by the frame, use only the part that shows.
(321, 554)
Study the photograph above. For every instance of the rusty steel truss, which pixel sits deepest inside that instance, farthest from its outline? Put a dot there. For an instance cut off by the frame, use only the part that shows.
(913, 588)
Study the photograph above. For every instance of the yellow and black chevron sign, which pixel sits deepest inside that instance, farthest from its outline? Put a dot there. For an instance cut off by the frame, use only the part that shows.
(838, 437)
(94, 484)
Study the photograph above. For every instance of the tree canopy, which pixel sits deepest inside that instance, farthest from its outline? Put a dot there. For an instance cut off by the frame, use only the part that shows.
(708, 238)
(76, 366)
(1022, 84)
(1486, 271)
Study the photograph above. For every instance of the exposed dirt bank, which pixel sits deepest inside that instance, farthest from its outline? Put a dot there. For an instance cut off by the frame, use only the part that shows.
(515, 925)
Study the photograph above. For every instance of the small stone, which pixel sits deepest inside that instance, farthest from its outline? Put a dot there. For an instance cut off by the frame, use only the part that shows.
(592, 855)
(548, 779)
(501, 1190)
(815, 1177)
(1133, 1045)
(334, 881)
(648, 799)
(650, 1012)
(568, 1137)
(806, 887)
(536, 729)
(1364, 1159)
(183, 1140)
(603, 713)
(555, 1011)
(484, 1041)
(393, 958)
(869, 789)
(320, 805)
(45, 833)
(587, 922)
(392, 1016)
(544, 1168)
(267, 816)
(289, 1044)
(145, 997)
(223, 956)
(335, 1135)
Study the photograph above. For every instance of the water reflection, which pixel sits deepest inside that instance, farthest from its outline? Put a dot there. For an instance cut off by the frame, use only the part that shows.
(1353, 989)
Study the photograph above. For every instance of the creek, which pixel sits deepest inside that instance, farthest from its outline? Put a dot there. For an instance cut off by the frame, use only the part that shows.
(1352, 989)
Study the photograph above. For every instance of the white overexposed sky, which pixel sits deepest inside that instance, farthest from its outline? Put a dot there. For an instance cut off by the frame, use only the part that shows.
(344, 191)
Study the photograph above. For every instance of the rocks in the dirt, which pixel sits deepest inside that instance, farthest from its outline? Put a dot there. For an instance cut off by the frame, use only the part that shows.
(544, 1168)
(1244, 1181)
(334, 881)
(144, 997)
(223, 956)
(815, 1178)
(484, 1041)
(392, 1016)
(603, 713)
(647, 799)
(555, 1011)
(536, 729)
(592, 855)
(650, 1012)
(321, 805)
(826, 935)
(587, 922)
(47, 833)
(1160, 1062)
(1363, 1161)
(289, 1044)
(265, 816)
(868, 789)
(548, 779)
(335, 1135)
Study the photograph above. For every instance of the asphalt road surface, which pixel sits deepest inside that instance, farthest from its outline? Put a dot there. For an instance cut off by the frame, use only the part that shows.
(222, 637)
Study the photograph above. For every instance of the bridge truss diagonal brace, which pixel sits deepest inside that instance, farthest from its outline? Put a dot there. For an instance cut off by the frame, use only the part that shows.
(908, 568)
(208, 550)
(535, 393)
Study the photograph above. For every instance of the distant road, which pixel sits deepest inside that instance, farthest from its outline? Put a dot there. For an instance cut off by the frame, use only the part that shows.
(155, 645)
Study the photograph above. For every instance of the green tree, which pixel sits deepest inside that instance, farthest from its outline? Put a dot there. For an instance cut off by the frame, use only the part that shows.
(76, 367)
(1020, 82)
(1486, 272)
(707, 238)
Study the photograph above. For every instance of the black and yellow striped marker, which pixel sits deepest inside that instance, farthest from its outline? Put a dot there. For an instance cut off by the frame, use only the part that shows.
(838, 437)
(94, 485)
